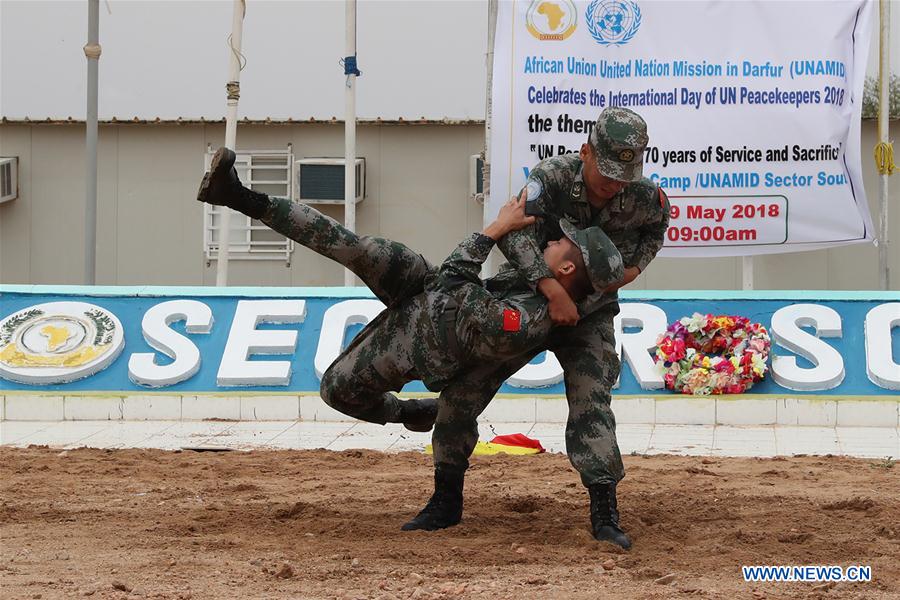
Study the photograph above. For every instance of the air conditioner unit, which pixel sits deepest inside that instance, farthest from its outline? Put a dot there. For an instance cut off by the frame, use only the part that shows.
(476, 175)
(9, 179)
(321, 180)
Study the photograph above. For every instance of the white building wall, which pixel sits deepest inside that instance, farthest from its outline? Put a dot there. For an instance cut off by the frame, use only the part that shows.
(150, 225)
(150, 228)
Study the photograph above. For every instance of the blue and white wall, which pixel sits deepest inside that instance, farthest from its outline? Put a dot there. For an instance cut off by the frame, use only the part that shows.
(237, 353)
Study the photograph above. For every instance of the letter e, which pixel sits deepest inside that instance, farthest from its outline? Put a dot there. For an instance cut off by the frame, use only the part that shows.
(244, 339)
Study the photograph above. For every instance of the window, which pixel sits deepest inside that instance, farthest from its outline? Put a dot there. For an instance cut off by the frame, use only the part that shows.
(267, 171)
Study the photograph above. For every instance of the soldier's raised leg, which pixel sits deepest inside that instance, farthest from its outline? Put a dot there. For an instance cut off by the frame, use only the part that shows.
(390, 269)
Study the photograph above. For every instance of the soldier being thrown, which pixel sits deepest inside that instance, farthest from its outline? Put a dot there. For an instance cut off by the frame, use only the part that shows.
(438, 321)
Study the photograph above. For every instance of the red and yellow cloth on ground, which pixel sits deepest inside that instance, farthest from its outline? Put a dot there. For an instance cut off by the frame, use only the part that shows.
(515, 443)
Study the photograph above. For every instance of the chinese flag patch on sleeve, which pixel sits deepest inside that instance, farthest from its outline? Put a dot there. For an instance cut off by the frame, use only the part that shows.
(512, 320)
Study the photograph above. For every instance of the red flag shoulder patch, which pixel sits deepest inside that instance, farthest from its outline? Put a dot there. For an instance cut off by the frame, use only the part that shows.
(512, 320)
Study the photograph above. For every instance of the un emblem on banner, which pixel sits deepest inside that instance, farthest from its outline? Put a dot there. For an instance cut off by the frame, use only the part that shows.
(58, 342)
(613, 22)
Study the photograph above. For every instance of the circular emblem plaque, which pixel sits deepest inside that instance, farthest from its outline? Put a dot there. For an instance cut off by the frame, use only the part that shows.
(58, 342)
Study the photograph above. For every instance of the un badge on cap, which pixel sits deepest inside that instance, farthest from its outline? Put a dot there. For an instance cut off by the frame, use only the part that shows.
(626, 155)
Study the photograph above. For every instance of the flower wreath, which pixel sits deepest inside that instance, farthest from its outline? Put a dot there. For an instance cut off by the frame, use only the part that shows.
(706, 354)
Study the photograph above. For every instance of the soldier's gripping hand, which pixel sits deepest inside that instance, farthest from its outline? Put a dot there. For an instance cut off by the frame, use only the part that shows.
(511, 217)
(562, 309)
(631, 274)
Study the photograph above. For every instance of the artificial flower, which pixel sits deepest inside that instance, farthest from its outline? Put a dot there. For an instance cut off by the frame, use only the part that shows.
(707, 354)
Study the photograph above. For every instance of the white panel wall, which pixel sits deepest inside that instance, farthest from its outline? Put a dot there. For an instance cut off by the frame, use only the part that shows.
(150, 225)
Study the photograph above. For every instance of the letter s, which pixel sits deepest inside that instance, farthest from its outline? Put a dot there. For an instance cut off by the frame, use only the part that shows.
(142, 366)
(829, 370)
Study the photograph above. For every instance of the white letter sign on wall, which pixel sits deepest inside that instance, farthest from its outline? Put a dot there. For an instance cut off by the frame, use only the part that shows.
(635, 347)
(142, 366)
(829, 370)
(880, 365)
(334, 327)
(244, 339)
(543, 374)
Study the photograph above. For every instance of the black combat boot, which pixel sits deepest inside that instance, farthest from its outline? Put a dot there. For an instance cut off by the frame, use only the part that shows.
(222, 187)
(418, 415)
(605, 517)
(444, 509)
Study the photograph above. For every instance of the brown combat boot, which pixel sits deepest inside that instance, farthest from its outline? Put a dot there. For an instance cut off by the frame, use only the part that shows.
(418, 415)
(605, 516)
(444, 508)
(222, 187)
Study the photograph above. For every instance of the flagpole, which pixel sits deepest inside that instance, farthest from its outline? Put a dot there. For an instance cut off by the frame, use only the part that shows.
(233, 89)
(351, 72)
(487, 267)
(92, 52)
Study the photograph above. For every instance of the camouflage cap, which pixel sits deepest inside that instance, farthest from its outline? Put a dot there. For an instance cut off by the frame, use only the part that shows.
(618, 139)
(601, 257)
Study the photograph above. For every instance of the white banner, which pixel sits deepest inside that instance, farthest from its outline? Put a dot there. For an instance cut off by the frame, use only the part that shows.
(753, 110)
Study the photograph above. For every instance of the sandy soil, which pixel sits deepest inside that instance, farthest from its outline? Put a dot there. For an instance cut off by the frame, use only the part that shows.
(319, 524)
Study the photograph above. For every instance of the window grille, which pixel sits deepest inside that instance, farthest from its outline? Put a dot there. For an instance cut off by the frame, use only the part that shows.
(268, 171)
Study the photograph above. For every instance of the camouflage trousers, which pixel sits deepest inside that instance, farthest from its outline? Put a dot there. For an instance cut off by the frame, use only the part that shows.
(380, 358)
(588, 356)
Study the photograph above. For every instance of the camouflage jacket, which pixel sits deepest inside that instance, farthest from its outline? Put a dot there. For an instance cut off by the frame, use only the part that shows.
(635, 220)
(475, 321)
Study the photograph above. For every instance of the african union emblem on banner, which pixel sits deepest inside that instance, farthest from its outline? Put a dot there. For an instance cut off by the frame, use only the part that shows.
(612, 22)
(551, 19)
(58, 342)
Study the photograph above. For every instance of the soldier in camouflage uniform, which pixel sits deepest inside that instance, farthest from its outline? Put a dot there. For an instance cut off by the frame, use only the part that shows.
(601, 186)
(438, 322)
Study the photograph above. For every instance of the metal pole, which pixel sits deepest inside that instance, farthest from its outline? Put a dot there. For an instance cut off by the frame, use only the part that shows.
(884, 272)
(487, 266)
(350, 131)
(92, 52)
(233, 89)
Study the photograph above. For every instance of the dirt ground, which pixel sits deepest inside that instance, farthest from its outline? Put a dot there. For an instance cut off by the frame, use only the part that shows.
(320, 524)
